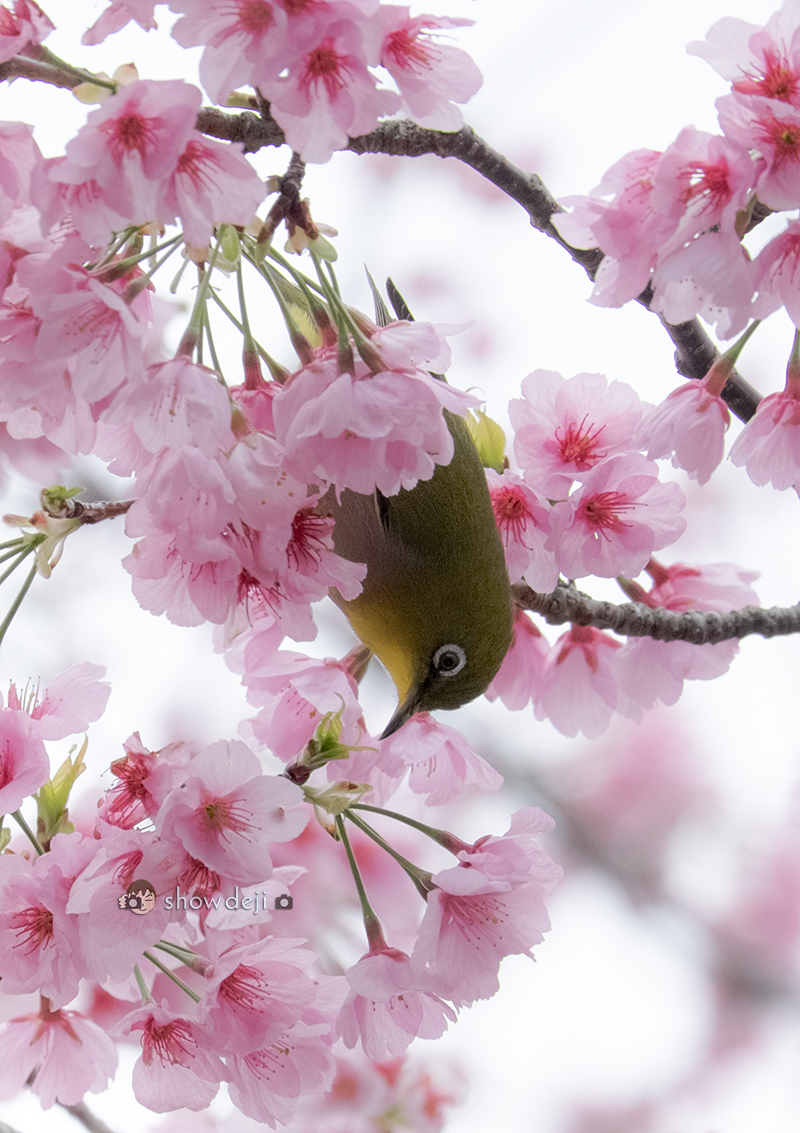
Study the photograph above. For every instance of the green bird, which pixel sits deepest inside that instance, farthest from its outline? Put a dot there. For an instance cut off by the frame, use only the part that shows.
(436, 604)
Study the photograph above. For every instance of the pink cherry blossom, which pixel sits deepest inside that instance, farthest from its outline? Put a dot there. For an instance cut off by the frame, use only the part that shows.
(294, 693)
(701, 586)
(117, 16)
(523, 520)
(368, 430)
(713, 275)
(178, 403)
(690, 426)
(255, 993)
(386, 1007)
(769, 444)
(616, 520)
(267, 1084)
(226, 812)
(130, 801)
(329, 94)
(70, 702)
(648, 671)
(630, 229)
(579, 691)
(100, 332)
(21, 23)
(39, 940)
(520, 677)
(246, 42)
(80, 202)
(430, 75)
(777, 274)
(489, 906)
(564, 427)
(68, 1054)
(212, 184)
(164, 582)
(173, 1071)
(132, 143)
(441, 762)
(708, 177)
(19, 157)
(24, 765)
(762, 61)
(773, 129)
(112, 940)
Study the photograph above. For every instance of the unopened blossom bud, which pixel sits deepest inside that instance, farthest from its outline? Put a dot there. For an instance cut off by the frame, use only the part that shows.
(338, 797)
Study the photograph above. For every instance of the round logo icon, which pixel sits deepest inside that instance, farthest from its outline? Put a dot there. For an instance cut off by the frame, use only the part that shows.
(139, 898)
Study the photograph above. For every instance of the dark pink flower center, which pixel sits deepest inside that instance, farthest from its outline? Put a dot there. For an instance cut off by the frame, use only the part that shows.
(511, 513)
(9, 24)
(169, 1043)
(244, 988)
(578, 444)
(195, 162)
(255, 16)
(199, 878)
(775, 80)
(601, 511)
(226, 814)
(408, 51)
(784, 137)
(709, 181)
(36, 927)
(131, 132)
(307, 543)
(8, 764)
(324, 64)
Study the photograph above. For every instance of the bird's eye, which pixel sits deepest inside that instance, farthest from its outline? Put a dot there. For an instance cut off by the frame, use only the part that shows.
(449, 660)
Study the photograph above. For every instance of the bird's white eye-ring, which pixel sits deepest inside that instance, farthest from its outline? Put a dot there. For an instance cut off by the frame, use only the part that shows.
(449, 660)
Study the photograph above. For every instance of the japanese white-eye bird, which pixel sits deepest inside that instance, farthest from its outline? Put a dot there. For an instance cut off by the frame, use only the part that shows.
(436, 604)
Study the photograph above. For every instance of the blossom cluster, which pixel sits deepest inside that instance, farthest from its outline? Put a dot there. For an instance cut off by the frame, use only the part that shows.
(675, 221)
(184, 839)
(319, 64)
(589, 502)
(231, 524)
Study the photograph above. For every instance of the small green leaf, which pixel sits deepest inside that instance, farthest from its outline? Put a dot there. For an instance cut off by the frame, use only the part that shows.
(53, 797)
(490, 440)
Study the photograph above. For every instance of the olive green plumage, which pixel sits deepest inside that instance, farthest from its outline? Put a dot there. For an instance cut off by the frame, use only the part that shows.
(436, 577)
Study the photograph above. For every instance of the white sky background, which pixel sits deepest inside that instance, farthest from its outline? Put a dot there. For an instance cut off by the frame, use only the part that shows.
(614, 1007)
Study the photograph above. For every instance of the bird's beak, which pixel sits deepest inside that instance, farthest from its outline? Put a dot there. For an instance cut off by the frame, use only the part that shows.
(404, 712)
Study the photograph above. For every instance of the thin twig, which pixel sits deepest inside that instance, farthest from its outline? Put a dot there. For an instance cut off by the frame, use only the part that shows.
(82, 1112)
(634, 619)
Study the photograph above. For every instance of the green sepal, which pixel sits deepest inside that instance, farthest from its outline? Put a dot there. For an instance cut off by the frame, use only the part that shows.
(53, 797)
(54, 499)
(489, 439)
(229, 243)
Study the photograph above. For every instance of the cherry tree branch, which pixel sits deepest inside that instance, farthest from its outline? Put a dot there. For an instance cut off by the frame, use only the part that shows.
(634, 619)
(82, 1112)
(694, 351)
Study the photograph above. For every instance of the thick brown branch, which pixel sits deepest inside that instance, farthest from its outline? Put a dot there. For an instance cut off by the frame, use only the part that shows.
(633, 619)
